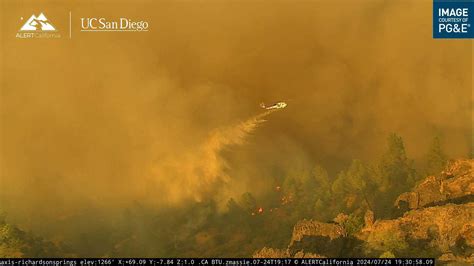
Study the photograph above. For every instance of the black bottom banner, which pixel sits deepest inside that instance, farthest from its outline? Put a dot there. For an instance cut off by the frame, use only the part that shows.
(220, 261)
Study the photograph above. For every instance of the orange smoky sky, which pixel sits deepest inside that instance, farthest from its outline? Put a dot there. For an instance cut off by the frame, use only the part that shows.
(107, 118)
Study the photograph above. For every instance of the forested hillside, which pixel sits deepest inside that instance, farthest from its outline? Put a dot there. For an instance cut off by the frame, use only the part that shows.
(247, 223)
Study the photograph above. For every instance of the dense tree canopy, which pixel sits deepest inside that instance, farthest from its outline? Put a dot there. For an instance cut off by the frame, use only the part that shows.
(248, 223)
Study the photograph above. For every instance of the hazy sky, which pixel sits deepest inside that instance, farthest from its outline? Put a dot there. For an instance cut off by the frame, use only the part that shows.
(106, 118)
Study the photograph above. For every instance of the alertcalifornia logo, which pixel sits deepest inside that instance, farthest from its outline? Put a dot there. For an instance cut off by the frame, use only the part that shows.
(38, 27)
(41, 27)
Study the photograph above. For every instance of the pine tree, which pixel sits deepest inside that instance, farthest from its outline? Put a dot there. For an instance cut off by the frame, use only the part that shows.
(322, 194)
(232, 206)
(248, 202)
(395, 170)
(301, 185)
(355, 182)
(322, 183)
(435, 158)
(393, 175)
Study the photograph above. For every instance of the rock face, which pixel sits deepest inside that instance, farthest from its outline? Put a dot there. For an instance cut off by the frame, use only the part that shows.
(438, 221)
(320, 238)
(369, 219)
(271, 253)
(455, 184)
(307, 228)
(432, 231)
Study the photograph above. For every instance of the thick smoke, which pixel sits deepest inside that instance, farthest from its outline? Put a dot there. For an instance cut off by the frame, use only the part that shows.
(201, 174)
(103, 120)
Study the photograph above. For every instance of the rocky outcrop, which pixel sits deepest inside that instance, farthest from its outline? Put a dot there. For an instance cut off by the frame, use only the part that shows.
(451, 259)
(369, 219)
(438, 222)
(306, 228)
(283, 253)
(324, 239)
(455, 185)
(271, 253)
(310, 239)
(433, 231)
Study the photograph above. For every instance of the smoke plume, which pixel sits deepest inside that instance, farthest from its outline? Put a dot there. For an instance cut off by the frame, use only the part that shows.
(104, 120)
(201, 174)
